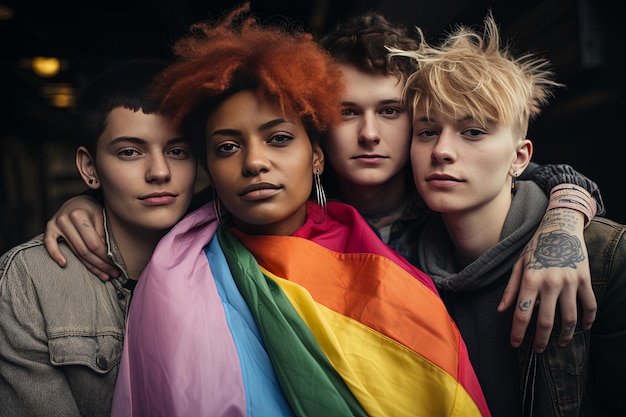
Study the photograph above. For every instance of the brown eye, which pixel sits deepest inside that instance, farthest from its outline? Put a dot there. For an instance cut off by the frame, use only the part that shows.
(280, 139)
(226, 148)
(128, 153)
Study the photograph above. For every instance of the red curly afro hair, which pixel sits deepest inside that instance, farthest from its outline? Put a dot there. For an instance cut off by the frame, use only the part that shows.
(219, 59)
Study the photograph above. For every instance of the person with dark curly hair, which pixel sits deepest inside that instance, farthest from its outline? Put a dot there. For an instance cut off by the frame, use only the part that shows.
(264, 302)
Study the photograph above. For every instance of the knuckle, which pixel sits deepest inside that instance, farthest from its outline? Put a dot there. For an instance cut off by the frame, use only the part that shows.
(544, 324)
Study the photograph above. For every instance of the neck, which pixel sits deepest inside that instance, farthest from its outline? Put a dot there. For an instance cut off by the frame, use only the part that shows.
(381, 204)
(475, 231)
(135, 246)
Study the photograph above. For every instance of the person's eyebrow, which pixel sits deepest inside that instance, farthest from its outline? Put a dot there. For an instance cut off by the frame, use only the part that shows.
(381, 102)
(131, 139)
(264, 126)
(140, 141)
(273, 123)
(424, 119)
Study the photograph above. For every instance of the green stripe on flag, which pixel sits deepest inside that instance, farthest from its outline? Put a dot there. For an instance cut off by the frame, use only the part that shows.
(308, 380)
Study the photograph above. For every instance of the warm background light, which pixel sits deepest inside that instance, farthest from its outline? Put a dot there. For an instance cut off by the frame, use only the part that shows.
(6, 12)
(46, 67)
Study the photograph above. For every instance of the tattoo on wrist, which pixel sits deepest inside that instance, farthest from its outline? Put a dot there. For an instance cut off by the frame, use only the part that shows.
(560, 219)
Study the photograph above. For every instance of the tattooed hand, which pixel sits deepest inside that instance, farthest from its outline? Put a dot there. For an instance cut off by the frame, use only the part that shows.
(553, 267)
(557, 249)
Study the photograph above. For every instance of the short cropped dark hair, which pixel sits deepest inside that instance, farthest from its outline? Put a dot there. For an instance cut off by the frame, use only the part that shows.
(126, 85)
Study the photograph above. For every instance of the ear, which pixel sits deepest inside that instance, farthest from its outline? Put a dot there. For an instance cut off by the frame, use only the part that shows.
(318, 159)
(523, 155)
(87, 168)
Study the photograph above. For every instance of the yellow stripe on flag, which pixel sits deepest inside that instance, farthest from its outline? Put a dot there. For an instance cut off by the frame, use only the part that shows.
(387, 378)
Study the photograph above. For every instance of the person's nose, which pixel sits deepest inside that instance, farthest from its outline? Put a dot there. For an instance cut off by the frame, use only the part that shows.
(444, 151)
(256, 159)
(158, 169)
(369, 132)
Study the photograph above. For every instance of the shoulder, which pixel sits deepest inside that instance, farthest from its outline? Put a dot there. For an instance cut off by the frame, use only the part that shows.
(604, 230)
(30, 259)
(14, 253)
(606, 245)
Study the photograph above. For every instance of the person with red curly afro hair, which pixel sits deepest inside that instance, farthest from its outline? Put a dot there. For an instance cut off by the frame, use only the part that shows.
(265, 301)
(239, 53)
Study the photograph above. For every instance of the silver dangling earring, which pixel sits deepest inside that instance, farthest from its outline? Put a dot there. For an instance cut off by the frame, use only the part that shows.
(513, 180)
(320, 195)
(217, 206)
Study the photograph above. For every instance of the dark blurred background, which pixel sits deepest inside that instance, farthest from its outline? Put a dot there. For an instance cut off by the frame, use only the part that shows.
(584, 40)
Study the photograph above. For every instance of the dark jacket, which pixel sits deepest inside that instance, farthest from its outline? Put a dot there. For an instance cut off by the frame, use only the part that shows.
(580, 379)
(587, 377)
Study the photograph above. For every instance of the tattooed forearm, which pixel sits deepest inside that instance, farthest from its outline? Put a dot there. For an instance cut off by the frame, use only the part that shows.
(564, 219)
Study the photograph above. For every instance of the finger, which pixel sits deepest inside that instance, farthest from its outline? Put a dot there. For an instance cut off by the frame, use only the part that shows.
(512, 287)
(589, 304)
(51, 239)
(522, 315)
(93, 253)
(88, 247)
(545, 319)
(569, 315)
(93, 249)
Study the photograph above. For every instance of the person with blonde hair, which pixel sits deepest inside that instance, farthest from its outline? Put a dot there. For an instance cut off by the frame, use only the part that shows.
(472, 102)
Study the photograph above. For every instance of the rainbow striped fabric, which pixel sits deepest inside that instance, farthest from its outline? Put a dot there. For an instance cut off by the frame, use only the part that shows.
(328, 322)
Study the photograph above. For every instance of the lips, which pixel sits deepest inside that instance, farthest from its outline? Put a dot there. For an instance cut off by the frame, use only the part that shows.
(442, 180)
(369, 160)
(259, 191)
(443, 177)
(157, 195)
(158, 199)
(365, 156)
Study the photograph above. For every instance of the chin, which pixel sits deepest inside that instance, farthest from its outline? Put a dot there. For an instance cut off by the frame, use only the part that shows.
(439, 206)
(163, 223)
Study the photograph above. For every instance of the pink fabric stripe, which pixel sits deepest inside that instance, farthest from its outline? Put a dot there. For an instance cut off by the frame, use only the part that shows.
(187, 320)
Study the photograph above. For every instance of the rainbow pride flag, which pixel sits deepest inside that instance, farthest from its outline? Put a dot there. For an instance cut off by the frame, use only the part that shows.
(328, 322)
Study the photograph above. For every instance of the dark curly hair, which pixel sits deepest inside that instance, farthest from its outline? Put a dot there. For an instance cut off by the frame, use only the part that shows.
(362, 41)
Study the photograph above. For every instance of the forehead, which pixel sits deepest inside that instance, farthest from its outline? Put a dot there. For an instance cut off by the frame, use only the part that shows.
(122, 122)
(366, 86)
(247, 109)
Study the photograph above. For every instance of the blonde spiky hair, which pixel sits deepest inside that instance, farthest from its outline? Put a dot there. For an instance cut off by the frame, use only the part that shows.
(473, 74)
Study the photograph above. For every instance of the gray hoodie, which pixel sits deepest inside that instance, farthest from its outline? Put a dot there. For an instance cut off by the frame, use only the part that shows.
(472, 294)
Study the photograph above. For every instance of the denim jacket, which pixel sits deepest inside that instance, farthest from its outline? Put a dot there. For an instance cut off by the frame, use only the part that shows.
(61, 334)
(587, 378)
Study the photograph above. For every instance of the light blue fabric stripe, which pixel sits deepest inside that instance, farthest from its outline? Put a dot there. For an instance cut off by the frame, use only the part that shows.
(263, 394)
